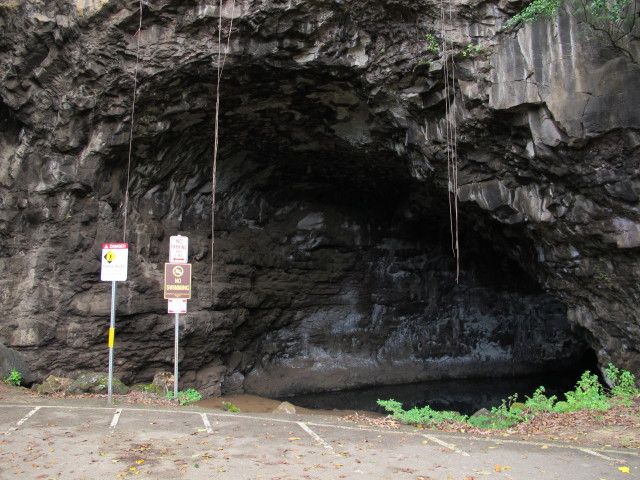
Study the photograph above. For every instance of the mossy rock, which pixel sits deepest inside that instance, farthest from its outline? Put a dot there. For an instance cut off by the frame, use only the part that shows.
(146, 387)
(229, 407)
(96, 383)
(483, 412)
(285, 407)
(52, 384)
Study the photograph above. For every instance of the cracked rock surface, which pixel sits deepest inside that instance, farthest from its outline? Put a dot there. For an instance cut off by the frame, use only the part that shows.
(332, 264)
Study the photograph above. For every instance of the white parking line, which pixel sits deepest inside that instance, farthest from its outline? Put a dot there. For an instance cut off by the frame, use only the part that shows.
(596, 454)
(21, 421)
(206, 422)
(446, 445)
(114, 420)
(616, 455)
(315, 436)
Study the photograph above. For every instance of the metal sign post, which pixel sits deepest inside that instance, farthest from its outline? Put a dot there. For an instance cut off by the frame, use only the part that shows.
(177, 290)
(112, 331)
(175, 356)
(115, 258)
(176, 306)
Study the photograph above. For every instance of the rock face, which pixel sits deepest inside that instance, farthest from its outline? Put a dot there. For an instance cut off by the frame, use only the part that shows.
(11, 360)
(332, 264)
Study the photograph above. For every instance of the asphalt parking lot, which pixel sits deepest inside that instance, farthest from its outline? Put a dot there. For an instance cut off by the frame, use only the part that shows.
(94, 442)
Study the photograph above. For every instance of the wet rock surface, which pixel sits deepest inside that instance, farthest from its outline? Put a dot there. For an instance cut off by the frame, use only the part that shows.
(332, 264)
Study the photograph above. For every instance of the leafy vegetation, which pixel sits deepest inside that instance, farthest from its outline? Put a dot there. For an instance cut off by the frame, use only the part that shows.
(420, 416)
(188, 396)
(14, 378)
(229, 407)
(624, 384)
(535, 10)
(611, 20)
(471, 50)
(588, 394)
(432, 43)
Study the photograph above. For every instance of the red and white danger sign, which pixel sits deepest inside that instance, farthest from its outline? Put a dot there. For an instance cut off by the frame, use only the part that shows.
(115, 258)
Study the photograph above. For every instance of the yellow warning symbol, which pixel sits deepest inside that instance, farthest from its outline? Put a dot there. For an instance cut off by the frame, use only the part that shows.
(110, 256)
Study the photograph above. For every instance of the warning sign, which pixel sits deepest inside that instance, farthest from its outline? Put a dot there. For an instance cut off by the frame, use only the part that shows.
(115, 258)
(177, 280)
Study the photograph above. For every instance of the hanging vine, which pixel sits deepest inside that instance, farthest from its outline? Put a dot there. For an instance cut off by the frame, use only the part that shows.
(133, 109)
(214, 167)
(451, 133)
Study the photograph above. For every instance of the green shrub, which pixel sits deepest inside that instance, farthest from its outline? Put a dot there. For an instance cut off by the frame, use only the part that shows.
(420, 416)
(506, 415)
(188, 396)
(540, 402)
(624, 384)
(588, 394)
(14, 378)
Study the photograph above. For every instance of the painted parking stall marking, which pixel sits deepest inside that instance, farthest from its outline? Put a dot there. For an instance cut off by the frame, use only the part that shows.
(446, 445)
(22, 420)
(207, 423)
(114, 420)
(315, 436)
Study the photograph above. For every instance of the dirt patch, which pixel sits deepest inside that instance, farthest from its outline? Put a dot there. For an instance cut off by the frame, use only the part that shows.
(256, 404)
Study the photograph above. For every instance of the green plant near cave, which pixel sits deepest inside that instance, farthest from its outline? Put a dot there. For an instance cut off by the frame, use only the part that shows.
(539, 402)
(471, 50)
(536, 9)
(507, 414)
(432, 43)
(14, 378)
(420, 416)
(624, 384)
(188, 396)
(588, 394)
(613, 21)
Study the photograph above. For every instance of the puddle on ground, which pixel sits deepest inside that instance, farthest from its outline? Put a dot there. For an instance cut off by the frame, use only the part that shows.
(255, 404)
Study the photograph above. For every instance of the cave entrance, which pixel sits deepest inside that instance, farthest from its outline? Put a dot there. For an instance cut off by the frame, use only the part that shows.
(465, 396)
(334, 271)
(332, 265)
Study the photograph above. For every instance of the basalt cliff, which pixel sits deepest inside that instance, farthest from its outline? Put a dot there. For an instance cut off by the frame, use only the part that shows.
(349, 134)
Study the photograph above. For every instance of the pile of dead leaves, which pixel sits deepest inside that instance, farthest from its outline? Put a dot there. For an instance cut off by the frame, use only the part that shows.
(617, 427)
(378, 422)
(134, 397)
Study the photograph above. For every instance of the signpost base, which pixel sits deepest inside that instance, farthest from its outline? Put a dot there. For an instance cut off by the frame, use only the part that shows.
(112, 329)
(175, 357)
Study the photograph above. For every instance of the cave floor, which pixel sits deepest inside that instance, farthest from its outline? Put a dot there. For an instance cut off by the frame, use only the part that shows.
(52, 437)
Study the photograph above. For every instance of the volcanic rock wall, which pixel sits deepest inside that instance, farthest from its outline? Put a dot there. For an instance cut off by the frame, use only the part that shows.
(332, 263)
